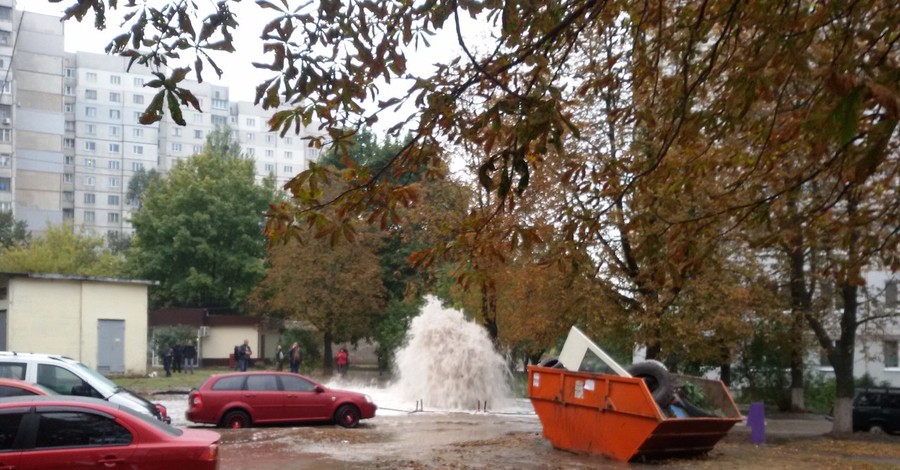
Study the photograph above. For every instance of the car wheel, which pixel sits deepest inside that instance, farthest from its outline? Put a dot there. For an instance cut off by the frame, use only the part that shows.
(658, 381)
(876, 429)
(236, 420)
(347, 416)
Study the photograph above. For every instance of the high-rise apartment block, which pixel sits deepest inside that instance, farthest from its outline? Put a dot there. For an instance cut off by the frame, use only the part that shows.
(70, 139)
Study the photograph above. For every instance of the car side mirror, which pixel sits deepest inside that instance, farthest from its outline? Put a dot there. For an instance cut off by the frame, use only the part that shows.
(319, 389)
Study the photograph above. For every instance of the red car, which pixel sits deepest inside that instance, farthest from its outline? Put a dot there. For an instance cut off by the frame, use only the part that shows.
(242, 399)
(55, 432)
(17, 388)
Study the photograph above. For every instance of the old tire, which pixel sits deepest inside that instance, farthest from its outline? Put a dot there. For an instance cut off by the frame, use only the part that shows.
(658, 381)
(551, 362)
(347, 416)
(876, 429)
(236, 419)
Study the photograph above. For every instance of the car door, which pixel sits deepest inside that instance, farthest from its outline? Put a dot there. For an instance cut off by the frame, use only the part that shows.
(264, 397)
(302, 401)
(891, 409)
(76, 439)
(866, 408)
(10, 421)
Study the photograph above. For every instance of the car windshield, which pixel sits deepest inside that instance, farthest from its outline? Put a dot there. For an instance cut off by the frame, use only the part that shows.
(103, 385)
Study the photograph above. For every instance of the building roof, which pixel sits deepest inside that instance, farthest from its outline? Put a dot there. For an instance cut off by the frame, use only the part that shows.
(75, 277)
(197, 317)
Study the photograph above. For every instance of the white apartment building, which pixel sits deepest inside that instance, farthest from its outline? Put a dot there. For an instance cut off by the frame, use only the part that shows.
(70, 137)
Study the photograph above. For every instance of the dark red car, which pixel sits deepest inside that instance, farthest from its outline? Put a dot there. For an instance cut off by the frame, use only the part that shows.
(56, 432)
(242, 399)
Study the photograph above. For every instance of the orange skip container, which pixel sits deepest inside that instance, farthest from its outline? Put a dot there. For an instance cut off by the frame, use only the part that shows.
(615, 416)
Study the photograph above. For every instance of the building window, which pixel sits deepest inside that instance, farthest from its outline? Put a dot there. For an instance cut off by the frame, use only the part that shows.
(115, 79)
(114, 131)
(113, 182)
(68, 214)
(68, 107)
(90, 162)
(90, 94)
(5, 38)
(219, 120)
(138, 99)
(289, 169)
(823, 357)
(90, 145)
(70, 159)
(251, 122)
(69, 90)
(198, 149)
(70, 72)
(176, 147)
(115, 96)
(288, 155)
(90, 198)
(89, 216)
(890, 294)
(115, 114)
(88, 180)
(136, 166)
(112, 217)
(5, 185)
(270, 153)
(250, 136)
(138, 149)
(138, 81)
(69, 143)
(68, 177)
(5, 160)
(219, 104)
(115, 164)
(270, 139)
(176, 131)
(5, 135)
(198, 134)
(251, 152)
(137, 132)
(69, 196)
(112, 200)
(270, 167)
(114, 148)
(6, 87)
(288, 140)
(891, 358)
(91, 76)
(70, 126)
(137, 116)
(5, 61)
(90, 111)
(90, 129)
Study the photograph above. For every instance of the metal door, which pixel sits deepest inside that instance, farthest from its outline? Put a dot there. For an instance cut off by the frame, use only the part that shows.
(111, 346)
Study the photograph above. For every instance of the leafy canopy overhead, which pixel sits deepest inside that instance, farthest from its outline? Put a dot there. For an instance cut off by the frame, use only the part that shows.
(62, 250)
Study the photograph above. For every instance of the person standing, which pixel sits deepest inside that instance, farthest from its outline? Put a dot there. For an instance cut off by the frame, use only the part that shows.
(296, 357)
(279, 358)
(177, 357)
(343, 361)
(246, 352)
(166, 354)
(190, 356)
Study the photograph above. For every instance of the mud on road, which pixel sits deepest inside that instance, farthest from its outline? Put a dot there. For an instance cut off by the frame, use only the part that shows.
(495, 441)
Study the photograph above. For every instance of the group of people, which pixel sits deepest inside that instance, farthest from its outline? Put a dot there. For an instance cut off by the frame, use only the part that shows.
(183, 358)
(295, 358)
(179, 357)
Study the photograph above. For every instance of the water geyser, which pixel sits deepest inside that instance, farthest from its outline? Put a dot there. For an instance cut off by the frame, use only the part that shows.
(449, 363)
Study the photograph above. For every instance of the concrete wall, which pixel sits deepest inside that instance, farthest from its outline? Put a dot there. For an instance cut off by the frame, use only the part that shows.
(222, 339)
(61, 317)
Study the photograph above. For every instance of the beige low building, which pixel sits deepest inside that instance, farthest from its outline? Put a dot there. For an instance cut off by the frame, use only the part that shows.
(101, 322)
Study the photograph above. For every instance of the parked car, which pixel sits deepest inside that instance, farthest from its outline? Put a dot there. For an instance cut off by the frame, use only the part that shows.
(17, 388)
(242, 399)
(877, 410)
(66, 376)
(54, 432)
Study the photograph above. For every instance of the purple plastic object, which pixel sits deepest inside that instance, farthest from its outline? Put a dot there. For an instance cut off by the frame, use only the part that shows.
(756, 419)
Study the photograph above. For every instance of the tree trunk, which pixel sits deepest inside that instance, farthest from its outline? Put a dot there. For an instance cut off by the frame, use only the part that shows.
(725, 367)
(489, 312)
(801, 302)
(327, 366)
